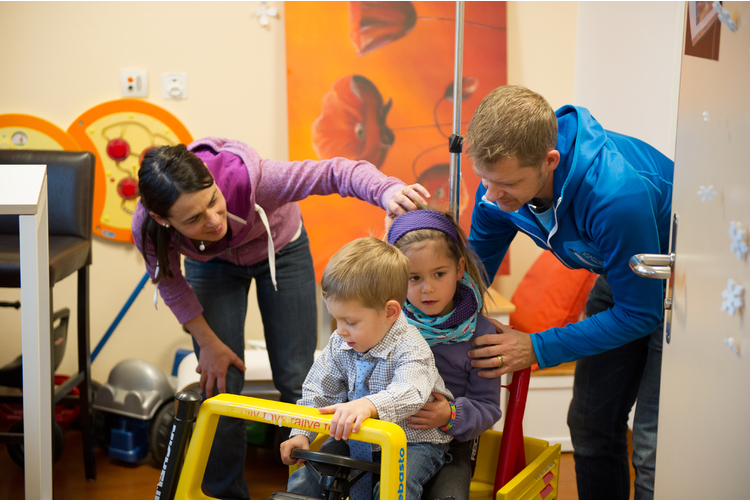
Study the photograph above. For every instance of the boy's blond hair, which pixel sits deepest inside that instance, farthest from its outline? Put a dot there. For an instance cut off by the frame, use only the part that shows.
(367, 270)
(511, 121)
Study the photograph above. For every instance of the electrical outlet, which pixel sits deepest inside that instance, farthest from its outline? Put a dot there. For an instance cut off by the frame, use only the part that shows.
(174, 85)
(134, 82)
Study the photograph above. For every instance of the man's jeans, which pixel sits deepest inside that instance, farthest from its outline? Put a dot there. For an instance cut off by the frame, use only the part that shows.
(605, 388)
(423, 460)
(290, 326)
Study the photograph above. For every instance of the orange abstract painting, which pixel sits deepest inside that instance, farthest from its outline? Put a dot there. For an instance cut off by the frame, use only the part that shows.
(374, 81)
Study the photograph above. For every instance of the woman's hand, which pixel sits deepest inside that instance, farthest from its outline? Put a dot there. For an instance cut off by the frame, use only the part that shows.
(514, 347)
(432, 415)
(410, 198)
(213, 363)
(215, 356)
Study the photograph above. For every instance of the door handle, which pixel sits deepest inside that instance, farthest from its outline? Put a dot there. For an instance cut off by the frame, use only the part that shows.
(652, 265)
(659, 266)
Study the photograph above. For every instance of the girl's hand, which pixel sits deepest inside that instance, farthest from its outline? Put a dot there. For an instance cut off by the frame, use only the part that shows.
(348, 417)
(432, 415)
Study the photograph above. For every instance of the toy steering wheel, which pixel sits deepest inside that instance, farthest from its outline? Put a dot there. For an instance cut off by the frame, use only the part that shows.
(332, 471)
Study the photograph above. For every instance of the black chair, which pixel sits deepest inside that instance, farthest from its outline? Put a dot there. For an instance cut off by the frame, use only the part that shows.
(70, 191)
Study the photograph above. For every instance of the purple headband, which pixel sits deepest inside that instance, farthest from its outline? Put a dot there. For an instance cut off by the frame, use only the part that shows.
(420, 219)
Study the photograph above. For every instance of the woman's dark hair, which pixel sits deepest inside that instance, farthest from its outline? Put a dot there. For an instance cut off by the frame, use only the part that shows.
(166, 173)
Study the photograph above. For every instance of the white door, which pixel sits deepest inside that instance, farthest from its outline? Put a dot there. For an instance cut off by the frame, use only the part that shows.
(704, 417)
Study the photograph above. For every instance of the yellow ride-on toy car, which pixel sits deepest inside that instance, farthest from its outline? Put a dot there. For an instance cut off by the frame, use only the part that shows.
(509, 466)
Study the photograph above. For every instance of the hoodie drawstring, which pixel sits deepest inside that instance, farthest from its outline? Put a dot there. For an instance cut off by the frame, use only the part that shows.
(271, 251)
(156, 286)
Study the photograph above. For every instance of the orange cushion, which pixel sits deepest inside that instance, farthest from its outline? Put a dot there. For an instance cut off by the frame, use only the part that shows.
(550, 295)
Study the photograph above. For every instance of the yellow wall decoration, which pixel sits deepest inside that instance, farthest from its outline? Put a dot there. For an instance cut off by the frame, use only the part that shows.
(119, 133)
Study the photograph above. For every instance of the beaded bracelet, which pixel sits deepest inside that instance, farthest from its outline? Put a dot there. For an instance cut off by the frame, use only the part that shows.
(453, 417)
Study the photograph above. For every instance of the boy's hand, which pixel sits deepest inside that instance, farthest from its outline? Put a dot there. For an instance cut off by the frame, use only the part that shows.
(348, 417)
(298, 441)
(433, 414)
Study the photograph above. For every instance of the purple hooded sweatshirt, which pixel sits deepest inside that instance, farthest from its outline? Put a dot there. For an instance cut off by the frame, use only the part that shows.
(248, 181)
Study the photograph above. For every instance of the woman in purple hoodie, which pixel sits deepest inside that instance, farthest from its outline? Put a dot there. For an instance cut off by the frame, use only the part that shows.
(234, 217)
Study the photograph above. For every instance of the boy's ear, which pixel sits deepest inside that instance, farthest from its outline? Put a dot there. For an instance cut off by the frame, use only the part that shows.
(392, 310)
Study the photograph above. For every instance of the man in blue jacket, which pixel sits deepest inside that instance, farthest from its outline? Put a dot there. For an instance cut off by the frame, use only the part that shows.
(594, 198)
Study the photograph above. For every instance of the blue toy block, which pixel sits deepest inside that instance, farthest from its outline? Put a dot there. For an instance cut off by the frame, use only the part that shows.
(129, 440)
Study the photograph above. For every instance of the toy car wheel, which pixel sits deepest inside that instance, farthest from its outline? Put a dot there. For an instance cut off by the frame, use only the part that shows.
(58, 443)
(161, 429)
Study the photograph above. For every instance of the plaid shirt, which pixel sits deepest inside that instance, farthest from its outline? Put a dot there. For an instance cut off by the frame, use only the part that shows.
(402, 381)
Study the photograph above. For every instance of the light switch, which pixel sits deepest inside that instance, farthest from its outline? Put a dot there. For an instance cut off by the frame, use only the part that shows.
(174, 85)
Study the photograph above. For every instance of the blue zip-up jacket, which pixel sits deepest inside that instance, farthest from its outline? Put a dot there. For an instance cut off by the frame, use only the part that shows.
(612, 200)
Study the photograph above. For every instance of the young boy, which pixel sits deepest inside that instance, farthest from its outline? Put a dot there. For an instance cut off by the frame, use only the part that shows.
(364, 286)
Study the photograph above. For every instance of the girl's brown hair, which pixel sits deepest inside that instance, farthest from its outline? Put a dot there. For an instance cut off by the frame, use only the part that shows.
(455, 251)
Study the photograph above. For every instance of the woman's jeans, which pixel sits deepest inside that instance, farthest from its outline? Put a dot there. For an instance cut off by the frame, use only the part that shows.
(290, 325)
(606, 386)
(423, 460)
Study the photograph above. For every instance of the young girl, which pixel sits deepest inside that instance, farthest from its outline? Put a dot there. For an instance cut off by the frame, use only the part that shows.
(444, 301)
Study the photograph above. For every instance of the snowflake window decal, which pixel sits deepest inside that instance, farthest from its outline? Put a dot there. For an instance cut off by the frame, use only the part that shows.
(733, 345)
(264, 13)
(707, 193)
(738, 234)
(733, 297)
(724, 16)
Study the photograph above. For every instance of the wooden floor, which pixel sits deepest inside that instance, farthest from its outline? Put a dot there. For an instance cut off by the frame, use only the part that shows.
(119, 481)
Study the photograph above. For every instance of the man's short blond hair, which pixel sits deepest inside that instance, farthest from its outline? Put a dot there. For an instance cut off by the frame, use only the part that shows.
(511, 121)
(367, 270)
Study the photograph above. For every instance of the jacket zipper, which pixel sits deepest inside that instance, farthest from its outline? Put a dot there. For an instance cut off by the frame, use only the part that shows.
(545, 241)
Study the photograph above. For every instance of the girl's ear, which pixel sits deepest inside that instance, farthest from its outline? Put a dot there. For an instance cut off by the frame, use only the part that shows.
(461, 268)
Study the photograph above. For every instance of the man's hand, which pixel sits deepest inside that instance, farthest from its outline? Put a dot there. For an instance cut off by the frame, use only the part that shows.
(298, 441)
(432, 415)
(514, 347)
(348, 417)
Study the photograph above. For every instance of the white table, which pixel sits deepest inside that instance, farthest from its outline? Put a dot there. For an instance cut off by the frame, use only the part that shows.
(23, 192)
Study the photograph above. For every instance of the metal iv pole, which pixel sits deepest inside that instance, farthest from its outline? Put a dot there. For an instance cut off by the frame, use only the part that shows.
(455, 142)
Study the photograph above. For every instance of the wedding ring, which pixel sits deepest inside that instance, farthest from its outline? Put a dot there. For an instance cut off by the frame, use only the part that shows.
(501, 360)
(403, 191)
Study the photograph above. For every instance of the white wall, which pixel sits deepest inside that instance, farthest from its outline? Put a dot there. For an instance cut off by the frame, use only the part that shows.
(64, 58)
(628, 67)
